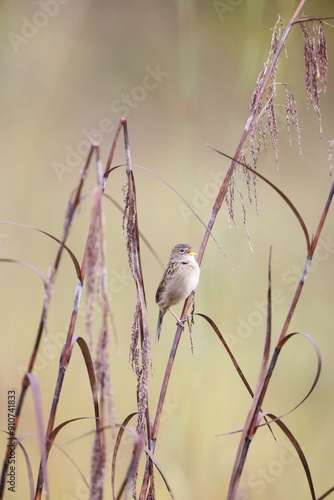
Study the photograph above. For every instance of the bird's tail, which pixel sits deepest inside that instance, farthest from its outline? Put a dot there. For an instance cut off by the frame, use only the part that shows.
(161, 315)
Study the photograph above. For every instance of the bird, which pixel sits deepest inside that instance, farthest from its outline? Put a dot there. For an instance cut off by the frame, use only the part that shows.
(180, 278)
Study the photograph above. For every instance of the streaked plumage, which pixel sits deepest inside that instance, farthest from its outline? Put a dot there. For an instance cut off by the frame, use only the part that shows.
(179, 280)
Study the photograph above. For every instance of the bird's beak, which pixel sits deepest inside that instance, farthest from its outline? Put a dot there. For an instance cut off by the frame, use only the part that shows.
(191, 252)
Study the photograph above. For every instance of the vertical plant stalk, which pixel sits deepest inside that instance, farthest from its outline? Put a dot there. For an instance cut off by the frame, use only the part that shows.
(251, 122)
(139, 327)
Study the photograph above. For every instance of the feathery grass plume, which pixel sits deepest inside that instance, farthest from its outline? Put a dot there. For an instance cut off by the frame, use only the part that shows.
(233, 188)
(98, 468)
(103, 382)
(291, 116)
(230, 196)
(272, 63)
(261, 127)
(263, 103)
(96, 292)
(322, 55)
(244, 212)
(272, 126)
(330, 158)
(93, 273)
(103, 376)
(316, 62)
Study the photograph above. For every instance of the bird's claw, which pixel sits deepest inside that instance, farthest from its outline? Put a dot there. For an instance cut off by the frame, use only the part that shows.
(181, 322)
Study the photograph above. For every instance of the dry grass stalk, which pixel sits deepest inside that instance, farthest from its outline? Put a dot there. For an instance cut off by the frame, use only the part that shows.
(140, 352)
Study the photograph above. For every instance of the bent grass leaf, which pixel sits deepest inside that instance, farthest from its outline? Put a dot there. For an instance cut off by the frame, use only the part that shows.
(316, 377)
(90, 371)
(132, 469)
(228, 350)
(36, 394)
(71, 254)
(139, 446)
(28, 266)
(319, 362)
(116, 449)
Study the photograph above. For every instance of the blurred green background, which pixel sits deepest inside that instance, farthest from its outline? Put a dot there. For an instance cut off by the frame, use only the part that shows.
(182, 73)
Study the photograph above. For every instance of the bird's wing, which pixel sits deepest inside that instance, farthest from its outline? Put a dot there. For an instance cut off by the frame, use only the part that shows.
(172, 268)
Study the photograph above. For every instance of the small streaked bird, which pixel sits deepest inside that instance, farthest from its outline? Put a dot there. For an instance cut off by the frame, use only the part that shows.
(178, 281)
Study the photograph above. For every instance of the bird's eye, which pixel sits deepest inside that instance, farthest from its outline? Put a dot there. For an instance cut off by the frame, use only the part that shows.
(182, 250)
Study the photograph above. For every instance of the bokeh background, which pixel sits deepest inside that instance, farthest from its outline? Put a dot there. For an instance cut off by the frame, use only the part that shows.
(182, 73)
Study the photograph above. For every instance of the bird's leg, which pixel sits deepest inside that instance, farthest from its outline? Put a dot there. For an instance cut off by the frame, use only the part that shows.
(180, 322)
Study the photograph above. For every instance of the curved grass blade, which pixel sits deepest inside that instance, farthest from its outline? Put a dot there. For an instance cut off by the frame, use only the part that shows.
(298, 449)
(54, 434)
(314, 383)
(228, 350)
(127, 481)
(71, 254)
(90, 371)
(116, 448)
(128, 476)
(59, 427)
(152, 457)
(28, 266)
(319, 359)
